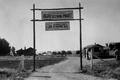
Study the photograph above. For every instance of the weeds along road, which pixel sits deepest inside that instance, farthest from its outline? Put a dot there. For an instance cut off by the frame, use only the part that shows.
(66, 70)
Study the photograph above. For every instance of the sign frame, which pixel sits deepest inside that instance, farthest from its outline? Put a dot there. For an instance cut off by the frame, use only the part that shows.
(56, 9)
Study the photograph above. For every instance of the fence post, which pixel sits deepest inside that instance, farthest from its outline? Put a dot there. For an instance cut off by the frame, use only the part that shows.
(22, 62)
(92, 51)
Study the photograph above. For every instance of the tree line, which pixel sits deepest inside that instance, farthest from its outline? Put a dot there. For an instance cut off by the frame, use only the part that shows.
(7, 50)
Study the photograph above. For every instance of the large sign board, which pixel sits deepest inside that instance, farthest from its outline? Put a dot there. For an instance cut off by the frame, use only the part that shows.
(53, 15)
(51, 26)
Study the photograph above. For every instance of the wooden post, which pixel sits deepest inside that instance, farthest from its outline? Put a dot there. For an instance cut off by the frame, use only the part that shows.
(92, 52)
(22, 62)
(34, 50)
(80, 37)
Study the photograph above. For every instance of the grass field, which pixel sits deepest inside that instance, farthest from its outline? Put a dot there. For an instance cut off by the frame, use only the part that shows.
(11, 66)
(14, 64)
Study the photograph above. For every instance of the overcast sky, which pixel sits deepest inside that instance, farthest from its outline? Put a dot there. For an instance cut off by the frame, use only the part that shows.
(101, 24)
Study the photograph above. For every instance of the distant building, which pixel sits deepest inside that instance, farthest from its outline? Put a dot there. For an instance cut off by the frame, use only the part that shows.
(49, 53)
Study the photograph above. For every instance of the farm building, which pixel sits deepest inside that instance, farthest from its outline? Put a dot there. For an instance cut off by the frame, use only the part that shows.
(97, 50)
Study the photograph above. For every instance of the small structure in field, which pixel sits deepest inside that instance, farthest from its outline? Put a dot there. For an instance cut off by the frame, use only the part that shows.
(97, 49)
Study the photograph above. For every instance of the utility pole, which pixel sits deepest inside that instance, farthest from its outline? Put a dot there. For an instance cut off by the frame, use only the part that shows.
(80, 36)
(34, 37)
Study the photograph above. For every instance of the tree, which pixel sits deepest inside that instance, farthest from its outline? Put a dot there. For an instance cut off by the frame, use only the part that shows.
(69, 53)
(20, 52)
(29, 51)
(4, 47)
(63, 53)
(26, 52)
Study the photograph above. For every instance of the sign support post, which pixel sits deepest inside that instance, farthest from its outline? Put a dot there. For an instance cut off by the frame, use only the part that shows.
(80, 37)
(34, 50)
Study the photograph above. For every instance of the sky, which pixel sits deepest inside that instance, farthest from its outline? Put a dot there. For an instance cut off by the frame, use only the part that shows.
(101, 24)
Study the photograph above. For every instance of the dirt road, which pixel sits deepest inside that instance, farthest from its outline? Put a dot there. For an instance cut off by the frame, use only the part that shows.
(66, 70)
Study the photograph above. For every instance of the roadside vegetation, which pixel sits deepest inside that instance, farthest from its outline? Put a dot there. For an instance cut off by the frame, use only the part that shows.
(105, 69)
(11, 69)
